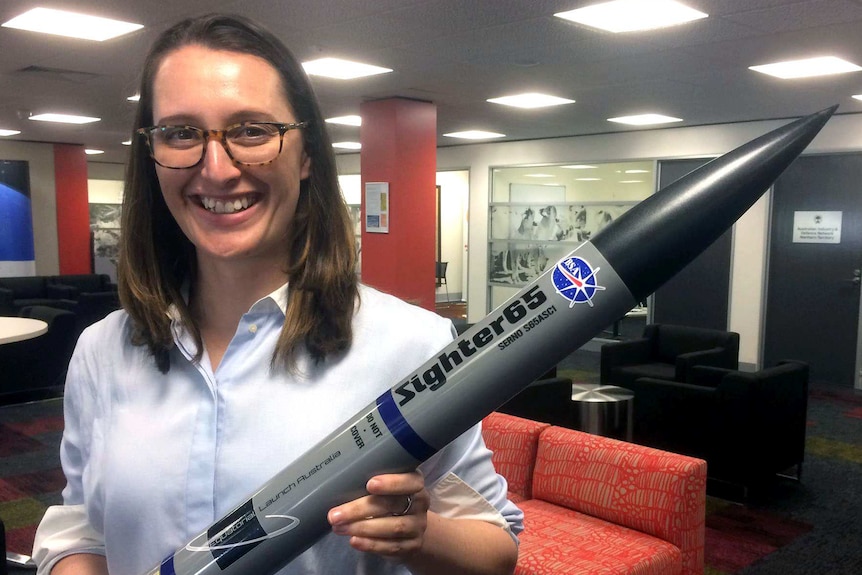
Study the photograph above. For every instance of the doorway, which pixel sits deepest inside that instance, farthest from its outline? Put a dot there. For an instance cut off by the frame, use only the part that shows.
(815, 258)
(452, 201)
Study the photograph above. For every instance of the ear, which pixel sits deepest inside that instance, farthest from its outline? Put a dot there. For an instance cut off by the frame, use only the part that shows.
(305, 167)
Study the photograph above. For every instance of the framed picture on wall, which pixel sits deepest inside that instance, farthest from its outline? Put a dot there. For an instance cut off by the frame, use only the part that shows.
(105, 227)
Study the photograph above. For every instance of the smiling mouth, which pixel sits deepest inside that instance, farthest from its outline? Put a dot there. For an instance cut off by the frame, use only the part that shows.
(227, 206)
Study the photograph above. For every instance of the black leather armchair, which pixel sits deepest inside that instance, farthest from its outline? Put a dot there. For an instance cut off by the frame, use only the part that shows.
(20, 292)
(748, 426)
(84, 283)
(547, 400)
(667, 352)
(93, 296)
(36, 368)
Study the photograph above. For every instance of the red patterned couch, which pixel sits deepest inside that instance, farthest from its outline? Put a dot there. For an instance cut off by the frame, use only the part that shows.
(597, 505)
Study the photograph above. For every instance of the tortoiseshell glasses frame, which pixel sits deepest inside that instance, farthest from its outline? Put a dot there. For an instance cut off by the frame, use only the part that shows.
(247, 143)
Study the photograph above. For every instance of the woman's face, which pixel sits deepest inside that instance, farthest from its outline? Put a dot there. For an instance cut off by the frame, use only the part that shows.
(213, 89)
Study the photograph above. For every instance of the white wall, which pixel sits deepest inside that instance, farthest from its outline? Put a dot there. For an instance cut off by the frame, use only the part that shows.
(842, 133)
(105, 191)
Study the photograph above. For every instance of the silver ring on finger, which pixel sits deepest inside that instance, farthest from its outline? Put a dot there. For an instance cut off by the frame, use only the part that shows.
(407, 507)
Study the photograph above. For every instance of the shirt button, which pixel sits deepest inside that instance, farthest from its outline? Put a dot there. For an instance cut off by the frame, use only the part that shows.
(252, 328)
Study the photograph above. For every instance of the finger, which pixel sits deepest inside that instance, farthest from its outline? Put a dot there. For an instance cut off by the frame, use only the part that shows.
(374, 506)
(392, 548)
(396, 483)
(387, 536)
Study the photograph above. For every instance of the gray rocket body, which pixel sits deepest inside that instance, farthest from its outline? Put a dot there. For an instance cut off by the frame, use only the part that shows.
(495, 359)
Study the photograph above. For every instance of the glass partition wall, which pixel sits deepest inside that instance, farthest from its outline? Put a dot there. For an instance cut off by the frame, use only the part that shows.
(538, 214)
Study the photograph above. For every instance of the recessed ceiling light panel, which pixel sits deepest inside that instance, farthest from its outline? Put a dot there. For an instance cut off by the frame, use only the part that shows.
(71, 24)
(531, 100)
(6, 133)
(632, 15)
(346, 120)
(341, 69)
(347, 145)
(807, 68)
(63, 118)
(93, 151)
(645, 119)
(858, 96)
(474, 135)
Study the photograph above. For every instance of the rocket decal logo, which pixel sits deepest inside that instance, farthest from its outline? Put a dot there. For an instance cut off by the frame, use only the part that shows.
(575, 280)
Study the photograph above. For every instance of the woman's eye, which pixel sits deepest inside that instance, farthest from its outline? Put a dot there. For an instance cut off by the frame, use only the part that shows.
(253, 132)
(180, 135)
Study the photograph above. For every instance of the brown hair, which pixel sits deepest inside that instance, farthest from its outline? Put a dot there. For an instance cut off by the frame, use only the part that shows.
(156, 258)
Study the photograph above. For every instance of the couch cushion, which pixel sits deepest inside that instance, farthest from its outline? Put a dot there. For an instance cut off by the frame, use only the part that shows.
(674, 340)
(665, 371)
(557, 541)
(653, 491)
(513, 441)
(29, 302)
(84, 283)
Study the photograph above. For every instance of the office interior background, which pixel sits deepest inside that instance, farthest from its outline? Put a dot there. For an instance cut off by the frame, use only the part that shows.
(457, 56)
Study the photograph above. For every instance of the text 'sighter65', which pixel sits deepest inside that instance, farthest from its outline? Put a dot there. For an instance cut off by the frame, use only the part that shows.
(495, 359)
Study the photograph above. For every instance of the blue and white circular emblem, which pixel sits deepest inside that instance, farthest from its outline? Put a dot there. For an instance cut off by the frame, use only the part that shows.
(575, 280)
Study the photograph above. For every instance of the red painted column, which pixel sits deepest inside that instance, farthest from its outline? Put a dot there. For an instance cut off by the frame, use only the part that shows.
(399, 146)
(73, 209)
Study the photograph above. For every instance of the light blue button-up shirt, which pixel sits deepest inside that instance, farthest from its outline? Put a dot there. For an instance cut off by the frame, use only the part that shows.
(152, 460)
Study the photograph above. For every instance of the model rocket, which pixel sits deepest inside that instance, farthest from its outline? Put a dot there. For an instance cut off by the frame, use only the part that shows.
(495, 359)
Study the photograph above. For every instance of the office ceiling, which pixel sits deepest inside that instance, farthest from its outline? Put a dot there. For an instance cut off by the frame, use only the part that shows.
(457, 54)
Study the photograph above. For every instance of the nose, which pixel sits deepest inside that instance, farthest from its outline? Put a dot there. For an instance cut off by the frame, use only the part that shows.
(217, 164)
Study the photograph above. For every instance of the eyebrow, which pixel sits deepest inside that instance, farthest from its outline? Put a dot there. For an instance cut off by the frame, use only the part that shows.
(235, 118)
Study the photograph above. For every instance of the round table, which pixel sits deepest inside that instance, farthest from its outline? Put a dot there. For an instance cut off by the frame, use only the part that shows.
(20, 328)
(603, 409)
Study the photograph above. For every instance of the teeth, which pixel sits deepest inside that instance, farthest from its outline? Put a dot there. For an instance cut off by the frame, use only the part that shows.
(226, 207)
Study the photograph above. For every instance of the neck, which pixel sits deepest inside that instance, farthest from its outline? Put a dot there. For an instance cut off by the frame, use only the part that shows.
(223, 292)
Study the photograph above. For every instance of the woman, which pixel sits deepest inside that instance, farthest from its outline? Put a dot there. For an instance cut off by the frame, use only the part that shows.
(245, 338)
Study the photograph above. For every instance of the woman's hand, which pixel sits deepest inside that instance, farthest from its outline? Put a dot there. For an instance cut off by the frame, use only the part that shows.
(390, 520)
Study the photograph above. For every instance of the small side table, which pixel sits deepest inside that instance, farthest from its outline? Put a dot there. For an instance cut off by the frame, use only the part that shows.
(603, 409)
(14, 329)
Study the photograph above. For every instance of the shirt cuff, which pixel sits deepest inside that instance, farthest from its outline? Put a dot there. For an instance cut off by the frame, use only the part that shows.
(451, 497)
(63, 531)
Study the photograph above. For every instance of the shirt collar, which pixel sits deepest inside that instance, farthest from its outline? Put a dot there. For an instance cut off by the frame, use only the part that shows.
(270, 302)
(277, 298)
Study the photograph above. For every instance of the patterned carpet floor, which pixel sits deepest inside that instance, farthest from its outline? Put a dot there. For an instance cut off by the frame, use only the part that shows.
(809, 527)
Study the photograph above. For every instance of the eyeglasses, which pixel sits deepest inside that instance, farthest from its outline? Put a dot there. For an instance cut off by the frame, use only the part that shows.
(248, 143)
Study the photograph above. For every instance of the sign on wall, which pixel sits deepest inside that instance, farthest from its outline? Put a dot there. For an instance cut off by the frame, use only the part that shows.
(817, 227)
(377, 207)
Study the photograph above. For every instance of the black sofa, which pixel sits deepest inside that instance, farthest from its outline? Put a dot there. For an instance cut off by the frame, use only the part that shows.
(748, 426)
(36, 368)
(89, 296)
(84, 283)
(20, 292)
(667, 352)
